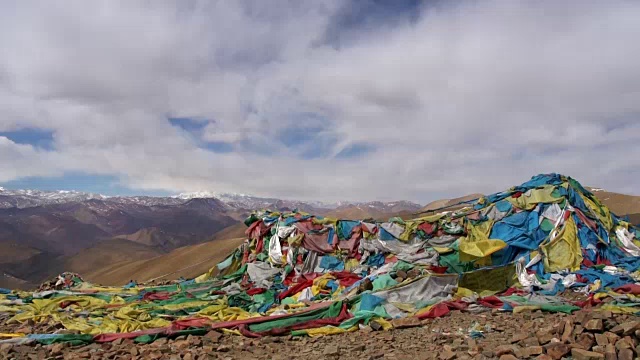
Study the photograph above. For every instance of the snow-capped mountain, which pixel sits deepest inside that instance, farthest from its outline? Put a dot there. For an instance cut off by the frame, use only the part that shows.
(32, 198)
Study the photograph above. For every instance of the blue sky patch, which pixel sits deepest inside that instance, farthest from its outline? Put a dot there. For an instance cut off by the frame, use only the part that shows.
(39, 138)
(187, 124)
(101, 184)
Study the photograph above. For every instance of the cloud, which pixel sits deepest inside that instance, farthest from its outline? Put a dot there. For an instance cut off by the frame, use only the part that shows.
(324, 99)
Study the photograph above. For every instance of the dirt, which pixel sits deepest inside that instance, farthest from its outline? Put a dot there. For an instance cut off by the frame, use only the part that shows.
(583, 335)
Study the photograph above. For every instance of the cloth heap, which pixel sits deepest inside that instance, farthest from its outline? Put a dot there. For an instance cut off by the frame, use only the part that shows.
(304, 275)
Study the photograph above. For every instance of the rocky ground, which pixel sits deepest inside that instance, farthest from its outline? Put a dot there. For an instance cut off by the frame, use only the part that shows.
(536, 335)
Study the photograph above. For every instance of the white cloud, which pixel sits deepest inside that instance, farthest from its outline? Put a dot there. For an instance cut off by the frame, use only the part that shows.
(470, 97)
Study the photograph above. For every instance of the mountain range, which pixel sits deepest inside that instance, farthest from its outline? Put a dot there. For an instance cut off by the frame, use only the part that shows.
(111, 239)
(45, 232)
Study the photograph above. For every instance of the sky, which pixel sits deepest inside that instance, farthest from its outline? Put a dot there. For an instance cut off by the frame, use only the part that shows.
(320, 99)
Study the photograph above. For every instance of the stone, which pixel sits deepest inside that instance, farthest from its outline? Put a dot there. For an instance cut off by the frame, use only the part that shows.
(567, 330)
(580, 354)
(213, 336)
(557, 350)
(611, 337)
(187, 356)
(133, 351)
(544, 335)
(626, 328)
(544, 357)
(376, 326)
(447, 354)
(504, 350)
(610, 352)
(534, 350)
(585, 340)
(223, 348)
(605, 314)
(6, 348)
(518, 337)
(594, 325)
(56, 349)
(601, 339)
(623, 344)
(625, 354)
(331, 350)
(194, 340)
(181, 344)
(406, 322)
(508, 357)
(532, 341)
(520, 352)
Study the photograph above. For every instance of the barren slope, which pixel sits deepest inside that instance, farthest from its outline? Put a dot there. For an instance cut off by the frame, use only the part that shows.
(208, 254)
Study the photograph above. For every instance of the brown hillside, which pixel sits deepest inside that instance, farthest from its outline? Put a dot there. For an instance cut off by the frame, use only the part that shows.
(634, 219)
(210, 252)
(449, 202)
(620, 204)
(231, 232)
(107, 253)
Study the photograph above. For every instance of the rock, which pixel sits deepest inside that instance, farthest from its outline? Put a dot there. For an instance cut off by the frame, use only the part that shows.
(594, 325)
(187, 356)
(117, 341)
(358, 348)
(376, 326)
(56, 349)
(181, 344)
(534, 350)
(532, 341)
(585, 340)
(405, 323)
(518, 337)
(567, 331)
(6, 348)
(624, 344)
(508, 357)
(447, 354)
(212, 336)
(223, 348)
(579, 354)
(331, 350)
(625, 354)
(544, 357)
(544, 335)
(557, 350)
(582, 317)
(133, 351)
(601, 339)
(626, 328)
(504, 350)
(376, 356)
(605, 314)
(194, 340)
(520, 352)
(610, 352)
(611, 337)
